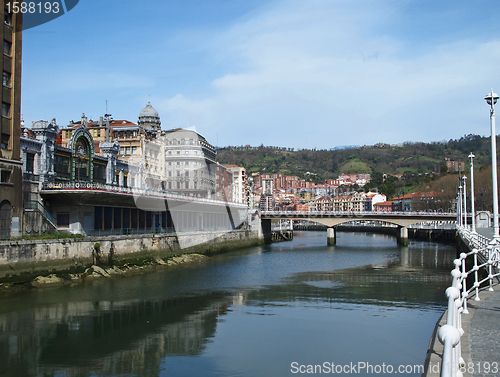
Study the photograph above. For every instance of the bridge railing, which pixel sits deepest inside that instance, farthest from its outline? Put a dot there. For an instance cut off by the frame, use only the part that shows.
(282, 226)
(483, 259)
(355, 214)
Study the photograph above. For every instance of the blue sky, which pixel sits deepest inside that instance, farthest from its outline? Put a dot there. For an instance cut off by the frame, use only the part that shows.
(294, 73)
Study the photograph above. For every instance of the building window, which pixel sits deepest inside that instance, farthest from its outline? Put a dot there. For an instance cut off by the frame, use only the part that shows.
(7, 47)
(6, 78)
(95, 133)
(178, 173)
(63, 219)
(5, 176)
(122, 150)
(7, 18)
(99, 133)
(178, 152)
(30, 162)
(169, 173)
(187, 185)
(127, 150)
(5, 109)
(187, 163)
(5, 141)
(134, 150)
(178, 163)
(170, 152)
(178, 185)
(170, 185)
(186, 173)
(195, 184)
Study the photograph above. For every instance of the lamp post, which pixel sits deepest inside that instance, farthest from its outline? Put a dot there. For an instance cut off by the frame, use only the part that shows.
(465, 202)
(473, 210)
(491, 99)
(459, 202)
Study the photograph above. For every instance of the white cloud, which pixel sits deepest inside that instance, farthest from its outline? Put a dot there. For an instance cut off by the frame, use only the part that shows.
(295, 73)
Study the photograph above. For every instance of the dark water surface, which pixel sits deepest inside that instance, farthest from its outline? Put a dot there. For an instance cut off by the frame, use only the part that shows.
(266, 311)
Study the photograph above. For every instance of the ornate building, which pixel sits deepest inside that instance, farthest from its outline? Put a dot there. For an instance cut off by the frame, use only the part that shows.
(149, 118)
(77, 179)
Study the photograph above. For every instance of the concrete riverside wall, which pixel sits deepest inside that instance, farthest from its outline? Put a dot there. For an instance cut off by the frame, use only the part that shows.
(25, 259)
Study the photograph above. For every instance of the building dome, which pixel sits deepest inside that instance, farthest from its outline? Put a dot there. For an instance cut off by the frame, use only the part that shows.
(149, 118)
(148, 111)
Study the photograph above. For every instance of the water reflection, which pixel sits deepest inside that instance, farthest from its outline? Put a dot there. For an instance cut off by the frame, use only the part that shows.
(198, 320)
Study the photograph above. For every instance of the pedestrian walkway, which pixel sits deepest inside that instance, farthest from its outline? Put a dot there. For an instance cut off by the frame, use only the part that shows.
(485, 335)
(480, 341)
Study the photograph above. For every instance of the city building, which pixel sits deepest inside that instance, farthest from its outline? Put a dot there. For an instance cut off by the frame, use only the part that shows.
(190, 163)
(240, 183)
(454, 165)
(383, 206)
(403, 203)
(11, 194)
(72, 188)
(267, 202)
(373, 198)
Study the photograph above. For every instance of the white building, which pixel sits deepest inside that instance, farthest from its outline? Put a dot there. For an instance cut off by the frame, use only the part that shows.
(240, 183)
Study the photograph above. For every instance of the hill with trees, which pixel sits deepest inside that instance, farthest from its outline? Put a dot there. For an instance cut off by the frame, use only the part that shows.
(421, 164)
(318, 165)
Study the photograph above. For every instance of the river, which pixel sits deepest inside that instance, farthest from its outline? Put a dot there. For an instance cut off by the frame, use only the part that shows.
(274, 310)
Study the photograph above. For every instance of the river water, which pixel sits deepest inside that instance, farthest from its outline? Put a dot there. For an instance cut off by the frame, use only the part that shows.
(274, 310)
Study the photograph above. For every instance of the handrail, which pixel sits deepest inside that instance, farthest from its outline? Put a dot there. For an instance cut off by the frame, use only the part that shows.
(30, 204)
(359, 213)
(482, 248)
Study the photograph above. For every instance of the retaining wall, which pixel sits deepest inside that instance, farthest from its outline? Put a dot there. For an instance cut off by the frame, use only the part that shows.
(23, 260)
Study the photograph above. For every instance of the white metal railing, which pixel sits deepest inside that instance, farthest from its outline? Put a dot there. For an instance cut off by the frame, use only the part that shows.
(444, 215)
(282, 226)
(484, 254)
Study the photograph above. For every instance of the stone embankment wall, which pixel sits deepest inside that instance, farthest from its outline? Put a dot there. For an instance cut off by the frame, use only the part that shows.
(25, 259)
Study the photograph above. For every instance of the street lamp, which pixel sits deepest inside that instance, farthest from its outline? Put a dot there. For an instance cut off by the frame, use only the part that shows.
(491, 99)
(471, 156)
(465, 202)
(459, 202)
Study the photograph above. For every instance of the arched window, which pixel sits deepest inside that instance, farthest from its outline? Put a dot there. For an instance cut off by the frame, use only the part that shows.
(82, 156)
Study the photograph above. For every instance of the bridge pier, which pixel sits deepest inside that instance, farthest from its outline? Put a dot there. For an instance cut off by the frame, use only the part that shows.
(403, 236)
(331, 236)
(266, 232)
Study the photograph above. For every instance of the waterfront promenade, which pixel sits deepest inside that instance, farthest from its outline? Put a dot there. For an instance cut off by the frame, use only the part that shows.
(480, 341)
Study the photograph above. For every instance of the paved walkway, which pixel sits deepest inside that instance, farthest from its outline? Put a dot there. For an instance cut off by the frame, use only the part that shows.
(480, 341)
(485, 335)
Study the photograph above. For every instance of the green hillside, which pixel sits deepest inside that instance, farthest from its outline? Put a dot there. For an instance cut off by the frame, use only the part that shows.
(411, 159)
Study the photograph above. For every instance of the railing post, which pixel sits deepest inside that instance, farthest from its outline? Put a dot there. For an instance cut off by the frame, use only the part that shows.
(463, 257)
(449, 335)
(476, 277)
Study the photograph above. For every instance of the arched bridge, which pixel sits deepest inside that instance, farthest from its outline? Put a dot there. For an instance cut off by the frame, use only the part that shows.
(333, 218)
